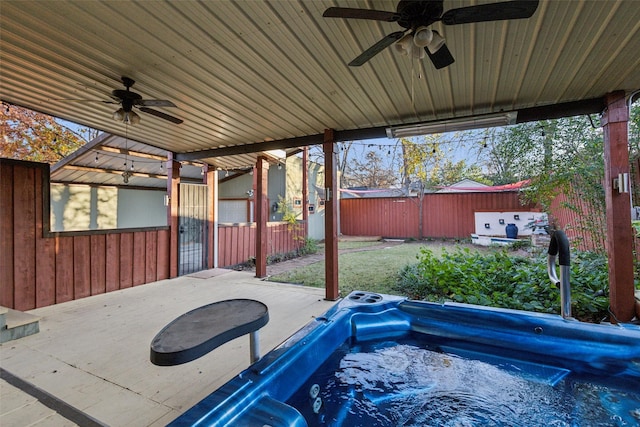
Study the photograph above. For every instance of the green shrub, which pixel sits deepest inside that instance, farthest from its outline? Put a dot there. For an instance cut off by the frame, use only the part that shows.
(502, 280)
(310, 247)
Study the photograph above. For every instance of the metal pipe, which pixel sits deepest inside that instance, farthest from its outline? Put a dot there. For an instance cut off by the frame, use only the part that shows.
(560, 244)
(254, 346)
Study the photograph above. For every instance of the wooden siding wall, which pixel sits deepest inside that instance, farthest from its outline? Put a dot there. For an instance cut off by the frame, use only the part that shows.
(445, 215)
(237, 242)
(37, 271)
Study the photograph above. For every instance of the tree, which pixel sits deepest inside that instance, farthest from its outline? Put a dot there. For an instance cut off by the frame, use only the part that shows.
(29, 135)
(370, 172)
(420, 161)
(449, 172)
(343, 157)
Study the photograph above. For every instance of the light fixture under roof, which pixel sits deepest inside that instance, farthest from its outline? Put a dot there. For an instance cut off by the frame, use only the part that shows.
(128, 117)
(413, 44)
(452, 125)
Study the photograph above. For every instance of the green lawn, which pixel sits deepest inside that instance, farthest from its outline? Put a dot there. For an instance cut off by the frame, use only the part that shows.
(373, 270)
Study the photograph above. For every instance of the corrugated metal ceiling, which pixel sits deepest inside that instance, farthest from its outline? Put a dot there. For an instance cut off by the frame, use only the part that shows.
(244, 72)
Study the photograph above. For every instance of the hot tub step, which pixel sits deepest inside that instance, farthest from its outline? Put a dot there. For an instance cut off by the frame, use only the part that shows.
(16, 324)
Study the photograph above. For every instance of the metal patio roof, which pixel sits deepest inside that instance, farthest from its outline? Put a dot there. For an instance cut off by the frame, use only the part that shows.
(274, 73)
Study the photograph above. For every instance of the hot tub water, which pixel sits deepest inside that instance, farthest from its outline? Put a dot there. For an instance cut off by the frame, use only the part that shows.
(404, 382)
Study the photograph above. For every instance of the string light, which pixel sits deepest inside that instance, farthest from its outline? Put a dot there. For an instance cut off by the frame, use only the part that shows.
(96, 157)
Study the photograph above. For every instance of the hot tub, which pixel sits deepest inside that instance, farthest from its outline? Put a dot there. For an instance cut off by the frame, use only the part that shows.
(379, 360)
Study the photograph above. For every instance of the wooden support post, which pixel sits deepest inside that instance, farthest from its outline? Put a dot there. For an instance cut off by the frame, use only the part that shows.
(261, 214)
(305, 186)
(211, 179)
(331, 216)
(173, 191)
(618, 207)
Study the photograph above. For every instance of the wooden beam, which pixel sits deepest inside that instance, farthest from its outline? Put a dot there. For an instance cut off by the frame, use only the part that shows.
(131, 153)
(262, 215)
(331, 216)
(173, 191)
(114, 171)
(258, 147)
(618, 207)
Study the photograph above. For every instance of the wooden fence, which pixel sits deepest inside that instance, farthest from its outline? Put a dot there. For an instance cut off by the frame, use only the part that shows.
(445, 215)
(237, 242)
(38, 268)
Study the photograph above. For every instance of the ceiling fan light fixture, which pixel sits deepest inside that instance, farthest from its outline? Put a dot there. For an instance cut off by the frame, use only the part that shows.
(417, 52)
(118, 115)
(131, 118)
(405, 44)
(437, 41)
(422, 36)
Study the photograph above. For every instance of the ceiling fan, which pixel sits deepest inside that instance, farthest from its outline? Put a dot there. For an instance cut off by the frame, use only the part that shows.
(415, 16)
(128, 99)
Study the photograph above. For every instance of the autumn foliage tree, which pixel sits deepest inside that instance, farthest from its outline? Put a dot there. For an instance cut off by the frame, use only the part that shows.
(33, 136)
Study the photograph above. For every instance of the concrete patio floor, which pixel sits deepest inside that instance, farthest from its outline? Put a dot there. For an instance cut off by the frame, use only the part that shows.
(92, 354)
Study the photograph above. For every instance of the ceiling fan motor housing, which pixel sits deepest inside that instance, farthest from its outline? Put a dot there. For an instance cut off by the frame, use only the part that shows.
(415, 13)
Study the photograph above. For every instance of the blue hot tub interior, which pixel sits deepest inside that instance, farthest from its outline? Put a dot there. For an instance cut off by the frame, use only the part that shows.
(381, 360)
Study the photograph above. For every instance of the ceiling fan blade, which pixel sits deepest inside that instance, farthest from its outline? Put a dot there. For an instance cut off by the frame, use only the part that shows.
(155, 103)
(442, 58)
(517, 9)
(351, 13)
(376, 48)
(161, 115)
(87, 100)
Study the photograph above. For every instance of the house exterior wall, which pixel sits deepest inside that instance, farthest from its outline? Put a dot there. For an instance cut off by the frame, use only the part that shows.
(315, 181)
(84, 207)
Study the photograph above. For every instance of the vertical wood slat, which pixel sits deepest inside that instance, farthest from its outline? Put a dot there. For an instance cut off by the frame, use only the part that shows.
(235, 247)
(24, 239)
(112, 263)
(222, 253)
(81, 267)
(162, 264)
(151, 251)
(98, 264)
(126, 264)
(138, 260)
(6, 235)
(64, 269)
(45, 253)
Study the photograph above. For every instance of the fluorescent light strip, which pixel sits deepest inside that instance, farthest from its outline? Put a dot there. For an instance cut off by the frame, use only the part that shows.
(465, 123)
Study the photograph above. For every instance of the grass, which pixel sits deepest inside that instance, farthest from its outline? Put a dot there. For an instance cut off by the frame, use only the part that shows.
(371, 270)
